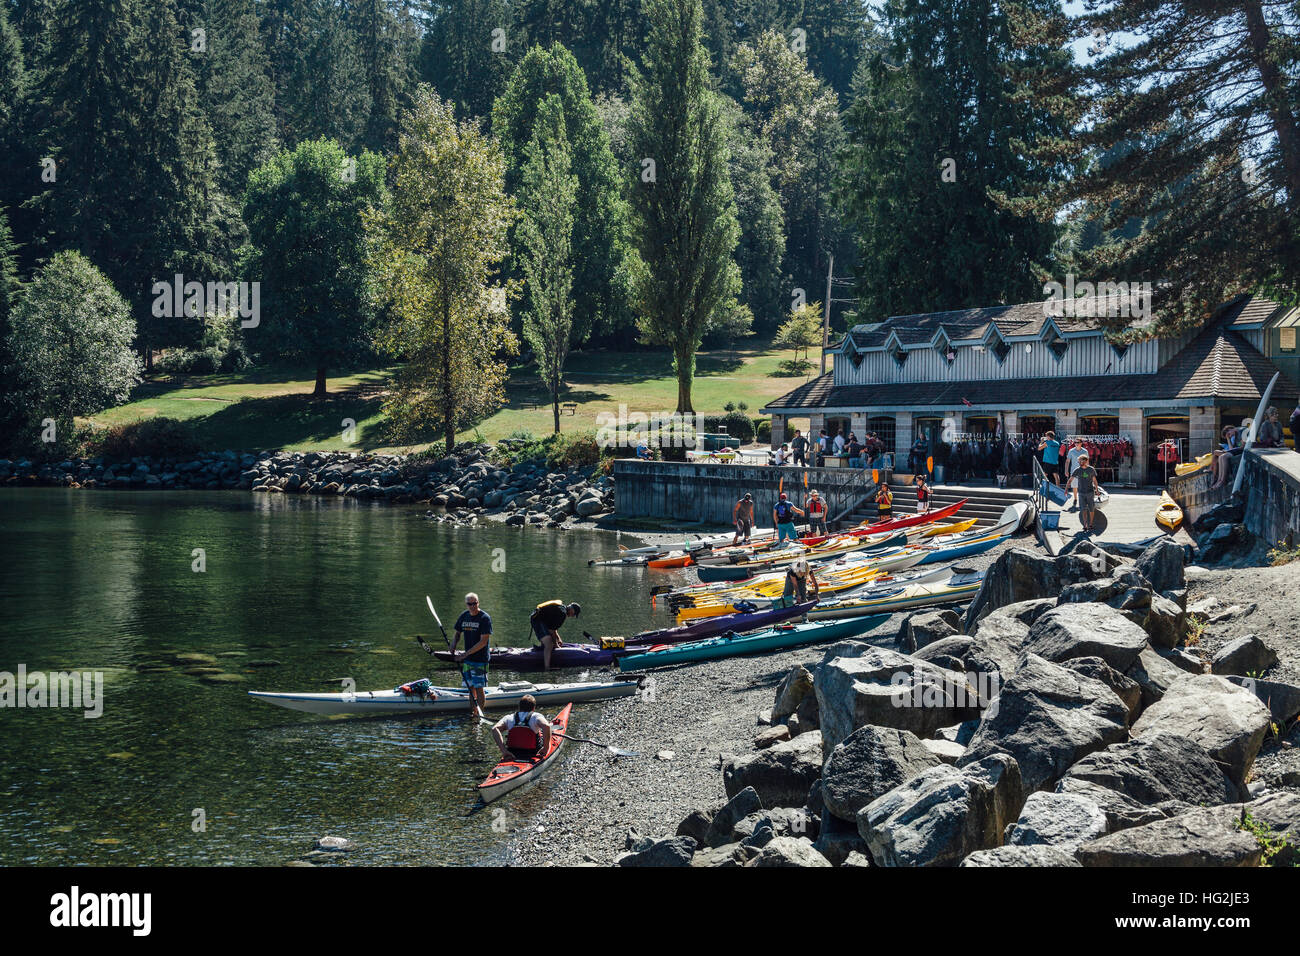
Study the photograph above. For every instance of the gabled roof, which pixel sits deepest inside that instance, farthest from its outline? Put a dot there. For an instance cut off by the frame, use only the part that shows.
(1218, 365)
(1252, 311)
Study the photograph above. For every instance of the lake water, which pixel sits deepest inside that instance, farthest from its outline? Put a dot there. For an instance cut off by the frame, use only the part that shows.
(103, 581)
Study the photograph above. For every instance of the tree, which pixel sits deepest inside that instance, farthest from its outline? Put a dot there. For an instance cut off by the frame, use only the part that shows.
(547, 198)
(386, 35)
(803, 330)
(438, 243)
(304, 214)
(685, 216)
(1203, 99)
(601, 229)
(935, 134)
(8, 275)
(466, 52)
(70, 344)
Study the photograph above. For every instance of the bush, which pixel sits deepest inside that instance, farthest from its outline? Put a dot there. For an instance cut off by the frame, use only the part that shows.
(791, 368)
(150, 438)
(737, 424)
(557, 451)
(763, 430)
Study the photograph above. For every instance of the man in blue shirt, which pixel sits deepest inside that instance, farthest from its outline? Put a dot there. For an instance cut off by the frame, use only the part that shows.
(476, 627)
(783, 517)
(1051, 449)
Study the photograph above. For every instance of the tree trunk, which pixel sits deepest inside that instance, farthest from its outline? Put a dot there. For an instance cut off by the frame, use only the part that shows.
(320, 383)
(1284, 121)
(685, 379)
(555, 407)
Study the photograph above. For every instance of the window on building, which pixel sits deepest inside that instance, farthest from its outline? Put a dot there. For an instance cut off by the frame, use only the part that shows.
(1119, 348)
(1286, 342)
(944, 348)
(1001, 350)
(1056, 343)
(897, 353)
(886, 429)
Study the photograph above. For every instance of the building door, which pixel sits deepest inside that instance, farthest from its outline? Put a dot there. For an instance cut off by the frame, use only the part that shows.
(1160, 429)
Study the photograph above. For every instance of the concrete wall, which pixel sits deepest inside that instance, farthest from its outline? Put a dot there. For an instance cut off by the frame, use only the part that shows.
(698, 492)
(1271, 487)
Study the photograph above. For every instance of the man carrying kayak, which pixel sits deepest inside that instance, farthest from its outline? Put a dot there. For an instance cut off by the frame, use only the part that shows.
(546, 621)
(742, 516)
(797, 579)
(475, 626)
(524, 734)
(783, 517)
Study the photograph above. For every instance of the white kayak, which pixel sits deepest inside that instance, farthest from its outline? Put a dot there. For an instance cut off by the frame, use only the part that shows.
(438, 700)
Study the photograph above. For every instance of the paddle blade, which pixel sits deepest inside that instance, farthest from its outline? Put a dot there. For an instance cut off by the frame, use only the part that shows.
(929, 463)
(875, 475)
(429, 601)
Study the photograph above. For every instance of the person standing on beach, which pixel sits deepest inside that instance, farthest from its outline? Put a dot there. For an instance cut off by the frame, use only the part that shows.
(783, 517)
(884, 502)
(923, 494)
(742, 516)
(1089, 485)
(1051, 449)
(475, 626)
(816, 513)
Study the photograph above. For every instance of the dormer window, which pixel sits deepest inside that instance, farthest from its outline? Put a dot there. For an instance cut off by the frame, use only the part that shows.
(854, 355)
(997, 346)
(896, 353)
(944, 348)
(1119, 349)
(1056, 342)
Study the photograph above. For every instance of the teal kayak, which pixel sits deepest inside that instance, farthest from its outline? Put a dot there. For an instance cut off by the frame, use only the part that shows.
(733, 645)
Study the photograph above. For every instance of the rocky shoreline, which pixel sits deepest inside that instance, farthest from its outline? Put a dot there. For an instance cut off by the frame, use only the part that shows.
(1085, 710)
(462, 487)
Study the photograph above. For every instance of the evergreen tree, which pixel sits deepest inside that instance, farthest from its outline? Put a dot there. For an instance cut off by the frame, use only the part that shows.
(835, 33)
(600, 241)
(304, 214)
(935, 135)
(386, 36)
(467, 53)
(1201, 101)
(685, 215)
(438, 244)
(548, 193)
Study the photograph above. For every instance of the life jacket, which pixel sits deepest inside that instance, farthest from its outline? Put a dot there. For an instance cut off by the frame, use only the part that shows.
(784, 511)
(556, 602)
(816, 506)
(521, 736)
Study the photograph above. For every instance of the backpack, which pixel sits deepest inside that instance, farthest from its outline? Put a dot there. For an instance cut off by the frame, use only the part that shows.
(521, 736)
(784, 511)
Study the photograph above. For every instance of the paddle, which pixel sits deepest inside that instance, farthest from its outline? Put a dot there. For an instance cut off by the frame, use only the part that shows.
(616, 751)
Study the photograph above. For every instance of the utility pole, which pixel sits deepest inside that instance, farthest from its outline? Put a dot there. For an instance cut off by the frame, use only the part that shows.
(826, 313)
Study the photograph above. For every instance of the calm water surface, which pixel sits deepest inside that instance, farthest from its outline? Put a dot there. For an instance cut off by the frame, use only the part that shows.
(102, 581)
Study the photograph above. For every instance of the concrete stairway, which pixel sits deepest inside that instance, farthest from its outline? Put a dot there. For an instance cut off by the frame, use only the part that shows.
(984, 504)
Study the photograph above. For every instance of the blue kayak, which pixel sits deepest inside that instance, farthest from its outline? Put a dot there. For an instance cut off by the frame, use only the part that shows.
(733, 645)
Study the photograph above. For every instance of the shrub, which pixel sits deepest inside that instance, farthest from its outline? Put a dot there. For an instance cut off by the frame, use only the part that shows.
(763, 430)
(791, 368)
(737, 424)
(149, 438)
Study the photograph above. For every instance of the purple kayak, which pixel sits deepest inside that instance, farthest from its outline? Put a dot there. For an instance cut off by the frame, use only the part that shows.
(591, 655)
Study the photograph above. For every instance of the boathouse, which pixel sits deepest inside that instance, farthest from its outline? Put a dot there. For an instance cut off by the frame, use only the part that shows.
(969, 379)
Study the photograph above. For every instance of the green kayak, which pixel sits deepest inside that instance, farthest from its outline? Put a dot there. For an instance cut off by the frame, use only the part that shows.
(733, 645)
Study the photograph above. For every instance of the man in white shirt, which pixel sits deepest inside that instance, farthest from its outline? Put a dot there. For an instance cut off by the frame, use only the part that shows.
(839, 443)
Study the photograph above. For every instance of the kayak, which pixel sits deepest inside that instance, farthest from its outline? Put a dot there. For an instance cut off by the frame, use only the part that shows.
(510, 775)
(897, 558)
(740, 570)
(1168, 514)
(1196, 464)
(897, 524)
(955, 587)
(831, 547)
(733, 645)
(674, 559)
(720, 624)
(438, 700)
(977, 540)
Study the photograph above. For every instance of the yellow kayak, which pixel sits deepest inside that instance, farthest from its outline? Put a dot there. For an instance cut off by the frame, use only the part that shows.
(1187, 467)
(956, 527)
(1169, 515)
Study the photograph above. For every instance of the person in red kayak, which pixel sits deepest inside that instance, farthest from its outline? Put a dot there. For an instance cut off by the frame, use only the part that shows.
(524, 734)
(475, 626)
(546, 621)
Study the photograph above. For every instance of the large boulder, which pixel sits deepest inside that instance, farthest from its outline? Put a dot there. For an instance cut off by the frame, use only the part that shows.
(1279, 813)
(1232, 511)
(1282, 700)
(793, 689)
(1121, 811)
(1225, 541)
(1162, 564)
(926, 627)
(888, 689)
(724, 820)
(943, 814)
(1048, 717)
(1157, 767)
(1036, 855)
(1057, 819)
(869, 763)
(1228, 721)
(1086, 630)
(674, 851)
(789, 851)
(1125, 688)
(1245, 657)
(1198, 837)
(781, 774)
(1165, 623)
(1019, 574)
(838, 840)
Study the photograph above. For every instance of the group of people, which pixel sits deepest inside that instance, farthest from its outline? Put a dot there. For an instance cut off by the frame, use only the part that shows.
(801, 450)
(783, 514)
(1080, 476)
(1232, 442)
(473, 629)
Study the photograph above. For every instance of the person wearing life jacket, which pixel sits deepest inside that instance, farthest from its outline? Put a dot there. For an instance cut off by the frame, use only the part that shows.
(798, 578)
(546, 620)
(816, 513)
(884, 502)
(783, 517)
(524, 734)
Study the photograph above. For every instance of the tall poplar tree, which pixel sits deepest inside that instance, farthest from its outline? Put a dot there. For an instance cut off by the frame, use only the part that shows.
(684, 210)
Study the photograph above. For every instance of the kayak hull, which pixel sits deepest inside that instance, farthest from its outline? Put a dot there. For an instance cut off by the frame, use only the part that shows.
(720, 624)
(953, 591)
(443, 700)
(1168, 514)
(734, 645)
(510, 775)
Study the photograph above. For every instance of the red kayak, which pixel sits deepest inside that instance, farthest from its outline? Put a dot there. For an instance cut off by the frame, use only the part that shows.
(893, 524)
(510, 775)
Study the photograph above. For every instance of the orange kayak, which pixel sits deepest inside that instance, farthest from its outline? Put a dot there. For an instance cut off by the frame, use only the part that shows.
(678, 559)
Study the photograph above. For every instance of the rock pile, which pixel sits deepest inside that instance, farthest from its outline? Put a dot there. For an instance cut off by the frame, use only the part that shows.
(1068, 726)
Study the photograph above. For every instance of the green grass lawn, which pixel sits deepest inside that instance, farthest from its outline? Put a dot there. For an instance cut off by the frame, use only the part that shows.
(263, 408)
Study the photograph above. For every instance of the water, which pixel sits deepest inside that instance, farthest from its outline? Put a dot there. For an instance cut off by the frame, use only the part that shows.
(178, 771)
